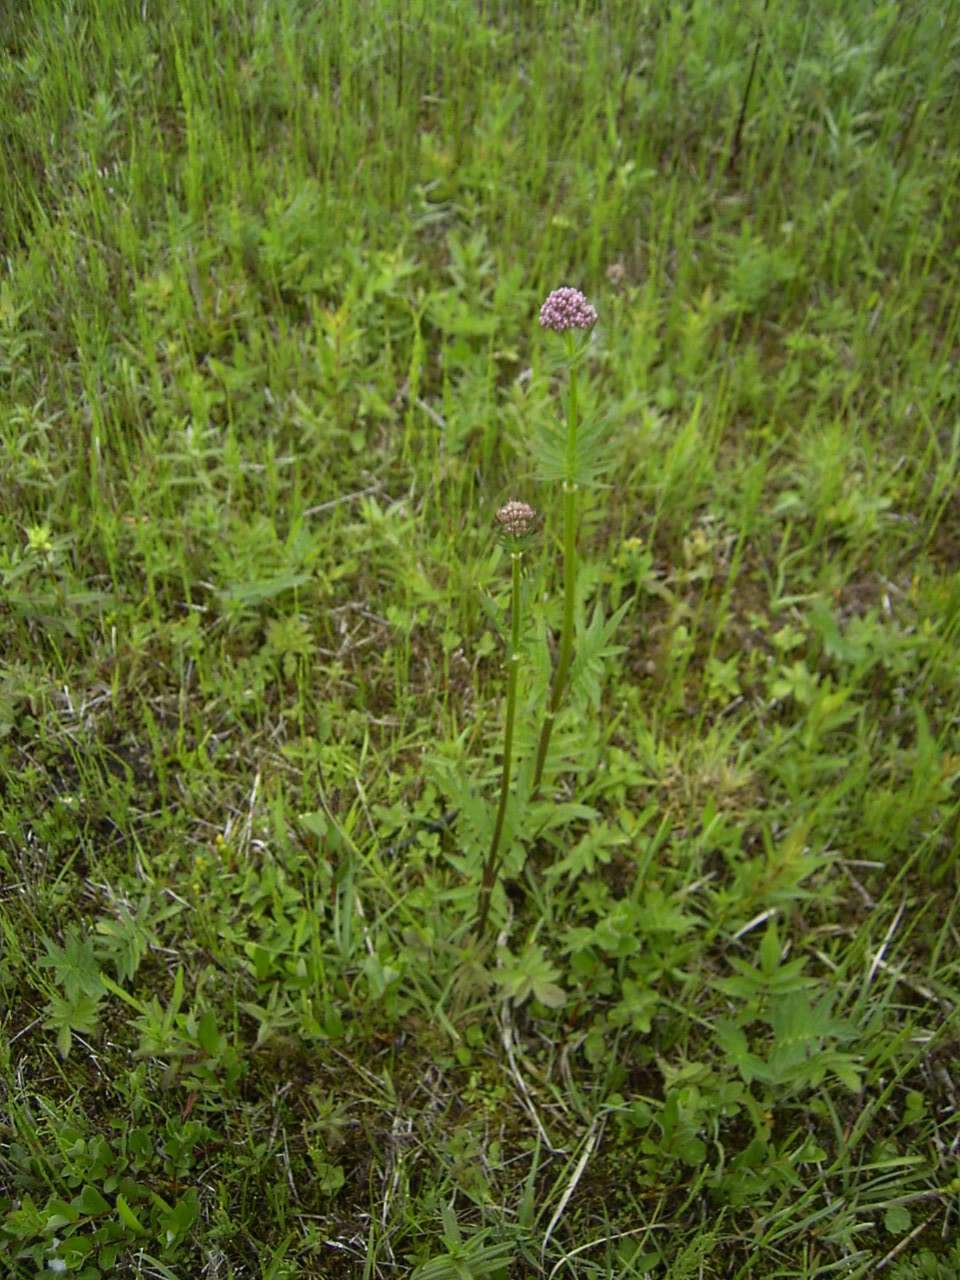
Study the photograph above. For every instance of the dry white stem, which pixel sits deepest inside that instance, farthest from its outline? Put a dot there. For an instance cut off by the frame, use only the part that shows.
(593, 1137)
(506, 1034)
(752, 924)
(878, 958)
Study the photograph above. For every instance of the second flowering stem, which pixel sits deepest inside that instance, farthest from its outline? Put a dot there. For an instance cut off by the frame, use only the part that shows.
(493, 863)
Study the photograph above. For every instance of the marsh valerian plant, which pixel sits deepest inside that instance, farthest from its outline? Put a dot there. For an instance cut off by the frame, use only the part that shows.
(573, 454)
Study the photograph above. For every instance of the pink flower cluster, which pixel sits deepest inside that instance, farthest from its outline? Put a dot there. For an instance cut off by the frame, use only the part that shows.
(567, 309)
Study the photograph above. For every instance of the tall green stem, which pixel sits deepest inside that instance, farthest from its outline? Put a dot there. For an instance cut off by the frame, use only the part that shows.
(569, 585)
(493, 864)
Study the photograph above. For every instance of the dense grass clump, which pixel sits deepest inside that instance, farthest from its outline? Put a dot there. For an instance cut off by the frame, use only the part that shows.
(270, 362)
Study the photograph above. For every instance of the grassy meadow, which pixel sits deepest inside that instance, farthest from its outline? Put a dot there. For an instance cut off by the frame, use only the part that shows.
(270, 363)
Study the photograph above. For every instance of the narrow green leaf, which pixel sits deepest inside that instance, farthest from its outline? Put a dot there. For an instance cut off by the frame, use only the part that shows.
(128, 1217)
(116, 990)
(207, 1032)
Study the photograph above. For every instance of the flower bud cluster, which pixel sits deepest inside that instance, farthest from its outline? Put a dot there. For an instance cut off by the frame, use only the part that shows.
(567, 309)
(517, 519)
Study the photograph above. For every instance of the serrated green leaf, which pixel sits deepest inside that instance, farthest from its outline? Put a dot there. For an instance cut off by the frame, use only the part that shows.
(549, 994)
(64, 1040)
(75, 965)
(593, 648)
(451, 1228)
(770, 950)
(24, 1222)
(846, 1072)
(127, 940)
(636, 1007)
(530, 974)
